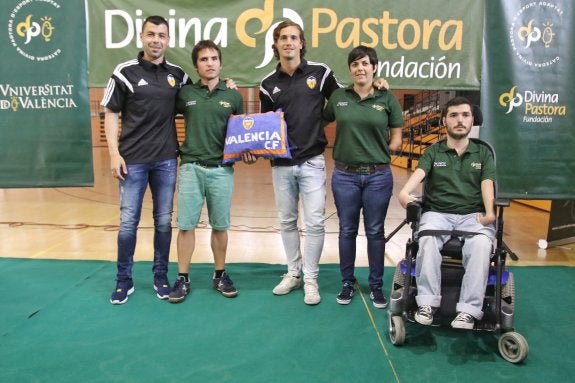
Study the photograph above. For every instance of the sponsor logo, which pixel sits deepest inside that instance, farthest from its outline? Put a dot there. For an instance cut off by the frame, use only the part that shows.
(265, 16)
(225, 104)
(379, 108)
(32, 31)
(537, 33)
(254, 28)
(46, 96)
(536, 106)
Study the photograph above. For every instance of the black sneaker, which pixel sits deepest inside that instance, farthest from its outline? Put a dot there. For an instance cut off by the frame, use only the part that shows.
(225, 286)
(346, 293)
(180, 290)
(162, 286)
(122, 291)
(424, 315)
(377, 298)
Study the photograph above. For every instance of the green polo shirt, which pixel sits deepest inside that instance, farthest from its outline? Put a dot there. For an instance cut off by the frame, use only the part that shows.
(362, 132)
(206, 119)
(453, 183)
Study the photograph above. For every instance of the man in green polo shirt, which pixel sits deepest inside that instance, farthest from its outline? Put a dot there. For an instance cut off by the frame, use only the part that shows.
(459, 195)
(206, 106)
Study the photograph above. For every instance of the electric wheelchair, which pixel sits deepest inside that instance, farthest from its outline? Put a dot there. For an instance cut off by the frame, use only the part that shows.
(499, 301)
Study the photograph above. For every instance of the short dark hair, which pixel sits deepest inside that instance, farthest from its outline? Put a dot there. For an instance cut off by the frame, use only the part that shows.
(204, 44)
(285, 24)
(455, 101)
(156, 20)
(361, 51)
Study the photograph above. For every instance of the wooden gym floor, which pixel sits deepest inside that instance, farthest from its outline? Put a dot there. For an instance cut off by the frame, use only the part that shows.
(81, 223)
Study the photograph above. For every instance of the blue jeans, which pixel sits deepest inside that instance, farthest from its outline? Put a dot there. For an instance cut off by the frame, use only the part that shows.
(354, 193)
(307, 180)
(161, 176)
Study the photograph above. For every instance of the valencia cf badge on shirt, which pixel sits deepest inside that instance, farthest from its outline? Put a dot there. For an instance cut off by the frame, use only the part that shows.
(171, 80)
(311, 82)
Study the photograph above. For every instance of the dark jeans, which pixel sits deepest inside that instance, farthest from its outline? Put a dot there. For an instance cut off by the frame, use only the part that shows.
(354, 193)
(161, 176)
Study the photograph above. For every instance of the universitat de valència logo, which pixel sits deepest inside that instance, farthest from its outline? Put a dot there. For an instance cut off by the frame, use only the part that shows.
(31, 29)
(537, 33)
(32, 33)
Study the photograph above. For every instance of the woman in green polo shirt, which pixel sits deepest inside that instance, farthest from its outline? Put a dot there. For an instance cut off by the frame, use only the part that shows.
(369, 123)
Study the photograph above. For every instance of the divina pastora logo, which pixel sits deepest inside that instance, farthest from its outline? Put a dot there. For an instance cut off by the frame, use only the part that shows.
(537, 33)
(536, 106)
(31, 29)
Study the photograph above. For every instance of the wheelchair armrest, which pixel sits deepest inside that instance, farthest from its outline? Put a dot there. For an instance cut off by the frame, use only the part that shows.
(504, 202)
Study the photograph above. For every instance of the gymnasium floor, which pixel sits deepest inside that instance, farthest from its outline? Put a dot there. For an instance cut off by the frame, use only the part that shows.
(58, 325)
(81, 223)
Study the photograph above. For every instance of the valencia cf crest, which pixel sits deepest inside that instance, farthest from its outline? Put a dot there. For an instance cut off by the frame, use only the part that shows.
(311, 82)
(171, 80)
(248, 123)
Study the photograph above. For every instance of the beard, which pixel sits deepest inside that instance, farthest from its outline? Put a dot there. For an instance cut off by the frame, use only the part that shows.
(456, 135)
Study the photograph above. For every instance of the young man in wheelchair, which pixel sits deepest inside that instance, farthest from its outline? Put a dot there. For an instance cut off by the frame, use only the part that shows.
(458, 196)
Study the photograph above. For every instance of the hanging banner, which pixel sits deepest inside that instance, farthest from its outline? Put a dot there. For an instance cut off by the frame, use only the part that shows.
(561, 229)
(421, 45)
(528, 98)
(44, 101)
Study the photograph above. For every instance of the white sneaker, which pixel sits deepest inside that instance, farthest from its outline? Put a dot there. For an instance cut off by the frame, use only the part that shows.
(463, 321)
(424, 315)
(311, 290)
(288, 283)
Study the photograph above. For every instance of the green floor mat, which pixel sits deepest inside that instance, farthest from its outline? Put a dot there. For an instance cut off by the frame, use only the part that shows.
(57, 325)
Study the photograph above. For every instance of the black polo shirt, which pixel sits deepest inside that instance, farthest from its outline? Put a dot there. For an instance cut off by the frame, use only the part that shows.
(302, 98)
(145, 95)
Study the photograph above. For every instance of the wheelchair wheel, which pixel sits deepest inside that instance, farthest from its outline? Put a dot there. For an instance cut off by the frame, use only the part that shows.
(513, 347)
(508, 291)
(396, 330)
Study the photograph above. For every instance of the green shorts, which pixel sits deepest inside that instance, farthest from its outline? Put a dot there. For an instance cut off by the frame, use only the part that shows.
(197, 183)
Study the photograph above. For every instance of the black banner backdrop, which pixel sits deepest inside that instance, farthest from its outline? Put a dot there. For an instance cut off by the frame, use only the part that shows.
(44, 99)
(528, 98)
(561, 227)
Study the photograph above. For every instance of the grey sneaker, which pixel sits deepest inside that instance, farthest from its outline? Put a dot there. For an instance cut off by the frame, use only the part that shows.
(463, 321)
(180, 290)
(424, 315)
(288, 283)
(311, 292)
(346, 293)
(225, 286)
